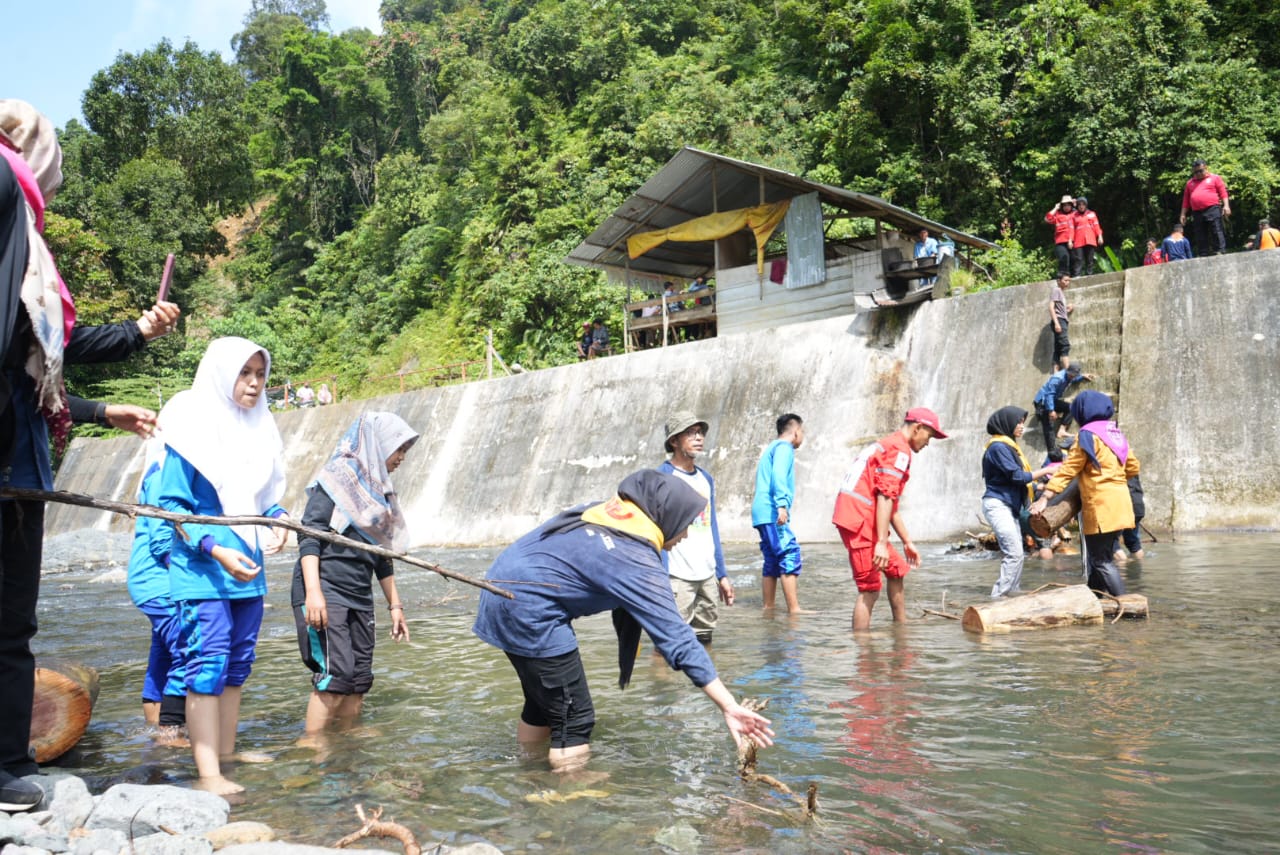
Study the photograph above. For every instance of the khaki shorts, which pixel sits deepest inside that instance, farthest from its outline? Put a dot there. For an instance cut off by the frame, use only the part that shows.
(696, 602)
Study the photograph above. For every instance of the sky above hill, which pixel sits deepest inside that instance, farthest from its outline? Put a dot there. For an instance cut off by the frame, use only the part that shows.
(49, 51)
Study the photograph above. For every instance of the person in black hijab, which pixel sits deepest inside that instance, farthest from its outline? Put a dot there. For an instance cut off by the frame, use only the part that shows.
(1009, 479)
(591, 559)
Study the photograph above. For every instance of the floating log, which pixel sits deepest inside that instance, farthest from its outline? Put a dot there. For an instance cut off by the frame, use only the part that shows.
(1061, 510)
(1135, 606)
(1065, 606)
(64, 698)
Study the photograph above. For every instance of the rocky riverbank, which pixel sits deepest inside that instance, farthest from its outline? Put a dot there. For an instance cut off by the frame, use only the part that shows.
(132, 819)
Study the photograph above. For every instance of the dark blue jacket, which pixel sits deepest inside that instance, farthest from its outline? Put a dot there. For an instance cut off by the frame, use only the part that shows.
(593, 569)
(1005, 477)
(1054, 388)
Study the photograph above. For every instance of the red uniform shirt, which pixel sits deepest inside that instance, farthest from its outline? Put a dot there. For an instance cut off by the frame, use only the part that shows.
(1064, 225)
(1201, 193)
(1088, 229)
(882, 469)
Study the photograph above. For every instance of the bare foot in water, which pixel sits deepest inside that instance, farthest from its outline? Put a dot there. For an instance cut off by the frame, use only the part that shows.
(218, 785)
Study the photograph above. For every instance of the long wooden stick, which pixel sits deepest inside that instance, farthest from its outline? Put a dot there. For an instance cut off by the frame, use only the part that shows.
(134, 511)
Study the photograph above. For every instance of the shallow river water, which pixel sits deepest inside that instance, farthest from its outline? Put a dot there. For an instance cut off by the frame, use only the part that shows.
(1147, 736)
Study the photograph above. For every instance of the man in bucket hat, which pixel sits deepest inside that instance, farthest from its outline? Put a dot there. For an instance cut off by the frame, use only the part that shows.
(867, 506)
(696, 564)
(1063, 219)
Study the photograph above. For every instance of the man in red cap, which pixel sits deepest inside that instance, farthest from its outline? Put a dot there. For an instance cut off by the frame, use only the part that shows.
(867, 506)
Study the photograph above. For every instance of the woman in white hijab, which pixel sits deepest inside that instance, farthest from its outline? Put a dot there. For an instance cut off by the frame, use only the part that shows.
(332, 584)
(222, 457)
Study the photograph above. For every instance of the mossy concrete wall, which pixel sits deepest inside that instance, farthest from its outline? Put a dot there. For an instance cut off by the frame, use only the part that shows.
(1189, 350)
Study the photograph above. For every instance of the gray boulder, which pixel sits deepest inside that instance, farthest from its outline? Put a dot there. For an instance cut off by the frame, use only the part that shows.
(140, 811)
(172, 844)
(100, 841)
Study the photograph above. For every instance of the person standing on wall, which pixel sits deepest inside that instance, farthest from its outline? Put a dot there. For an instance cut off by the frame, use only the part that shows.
(1063, 219)
(1088, 237)
(1206, 198)
(771, 513)
(696, 564)
(1103, 461)
(867, 506)
(1060, 319)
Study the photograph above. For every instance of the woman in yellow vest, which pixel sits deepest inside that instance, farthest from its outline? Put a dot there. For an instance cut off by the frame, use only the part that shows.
(1009, 477)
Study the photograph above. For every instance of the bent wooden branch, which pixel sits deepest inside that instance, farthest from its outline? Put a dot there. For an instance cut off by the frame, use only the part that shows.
(134, 511)
(373, 826)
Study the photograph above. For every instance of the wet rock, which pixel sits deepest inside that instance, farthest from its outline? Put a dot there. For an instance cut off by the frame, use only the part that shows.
(681, 837)
(172, 844)
(471, 849)
(240, 832)
(143, 810)
(100, 840)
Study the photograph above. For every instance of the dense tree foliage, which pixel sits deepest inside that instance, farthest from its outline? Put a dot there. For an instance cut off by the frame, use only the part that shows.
(382, 201)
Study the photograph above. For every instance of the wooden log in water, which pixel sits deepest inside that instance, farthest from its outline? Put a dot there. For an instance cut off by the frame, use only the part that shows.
(1061, 510)
(1135, 606)
(1065, 606)
(65, 694)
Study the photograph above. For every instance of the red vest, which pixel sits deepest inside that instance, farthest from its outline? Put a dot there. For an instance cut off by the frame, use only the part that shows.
(882, 469)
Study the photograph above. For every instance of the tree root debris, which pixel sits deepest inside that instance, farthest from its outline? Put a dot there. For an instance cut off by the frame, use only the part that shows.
(374, 827)
(747, 759)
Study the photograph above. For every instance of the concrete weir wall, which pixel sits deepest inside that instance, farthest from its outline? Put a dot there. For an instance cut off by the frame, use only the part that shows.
(1189, 350)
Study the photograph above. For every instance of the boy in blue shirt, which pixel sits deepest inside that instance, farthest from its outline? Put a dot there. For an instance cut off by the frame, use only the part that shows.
(1046, 401)
(771, 513)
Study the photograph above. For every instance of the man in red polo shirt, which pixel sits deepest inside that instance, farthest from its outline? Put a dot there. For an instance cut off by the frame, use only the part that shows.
(1205, 196)
(867, 506)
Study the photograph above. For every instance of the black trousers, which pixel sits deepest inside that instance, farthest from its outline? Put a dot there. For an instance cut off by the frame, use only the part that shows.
(1082, 258)
(1063, 252)
(1207, 233)
(1050, 429)
(21, 543)
(1103, 573)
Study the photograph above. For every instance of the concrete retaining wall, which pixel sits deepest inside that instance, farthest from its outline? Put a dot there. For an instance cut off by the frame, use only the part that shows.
(1190, 349)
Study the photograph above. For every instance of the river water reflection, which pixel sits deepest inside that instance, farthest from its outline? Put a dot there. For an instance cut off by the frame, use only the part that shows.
(1149, 736)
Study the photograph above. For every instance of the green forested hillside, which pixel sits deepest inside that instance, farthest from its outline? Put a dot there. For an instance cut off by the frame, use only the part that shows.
(361, 204)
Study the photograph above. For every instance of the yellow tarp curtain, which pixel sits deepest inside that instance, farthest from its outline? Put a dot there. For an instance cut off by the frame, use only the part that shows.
(762, 220)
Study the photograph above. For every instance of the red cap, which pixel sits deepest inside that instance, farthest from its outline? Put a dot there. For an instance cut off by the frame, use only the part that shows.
(928, 418)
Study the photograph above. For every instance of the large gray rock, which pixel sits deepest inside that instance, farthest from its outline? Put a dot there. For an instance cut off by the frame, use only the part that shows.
(14, 849)
(140, 811)
(100, 841)
(24, 831)
(172, 844)
(68, 799)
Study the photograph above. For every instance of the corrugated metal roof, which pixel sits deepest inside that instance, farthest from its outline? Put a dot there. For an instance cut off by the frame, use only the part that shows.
(695, 183)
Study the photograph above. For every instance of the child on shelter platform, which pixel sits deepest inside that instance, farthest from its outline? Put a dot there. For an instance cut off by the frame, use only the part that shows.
(332, 593)
(222, 457)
